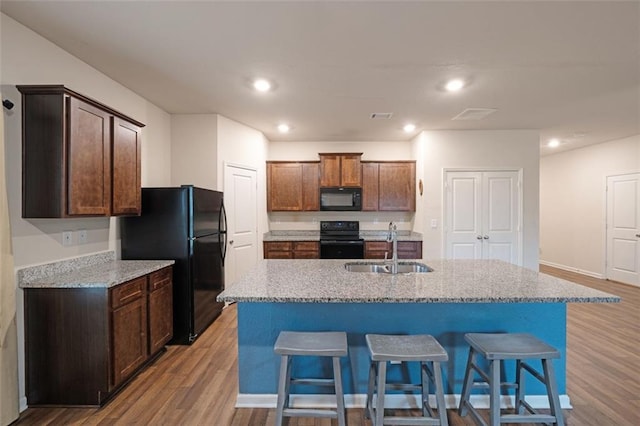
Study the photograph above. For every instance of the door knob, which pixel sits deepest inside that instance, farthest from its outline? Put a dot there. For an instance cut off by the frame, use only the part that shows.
(486, 237)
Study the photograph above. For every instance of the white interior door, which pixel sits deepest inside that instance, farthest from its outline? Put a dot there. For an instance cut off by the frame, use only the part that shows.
(464, 227)
(623, 228)
(483, 215)
(501, 221)
(240, 193)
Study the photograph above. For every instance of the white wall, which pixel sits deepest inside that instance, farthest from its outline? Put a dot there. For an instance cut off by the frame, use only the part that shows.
(573, 202)
(27, 58)
(439, 150)
(308, 151)
(194, 141)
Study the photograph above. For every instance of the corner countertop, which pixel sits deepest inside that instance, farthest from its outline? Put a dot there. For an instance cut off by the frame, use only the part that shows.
(315, 236)
(99, 270)
(452, 281)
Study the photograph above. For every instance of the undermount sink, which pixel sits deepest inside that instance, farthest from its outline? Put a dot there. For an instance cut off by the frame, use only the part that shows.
(383, 268)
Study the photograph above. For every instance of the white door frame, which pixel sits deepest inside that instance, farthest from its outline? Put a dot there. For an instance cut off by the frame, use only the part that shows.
(520, 225)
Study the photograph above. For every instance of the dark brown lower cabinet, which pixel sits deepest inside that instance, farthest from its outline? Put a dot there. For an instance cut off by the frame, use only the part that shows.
(406, 249)
(83, 344)
(291, 249)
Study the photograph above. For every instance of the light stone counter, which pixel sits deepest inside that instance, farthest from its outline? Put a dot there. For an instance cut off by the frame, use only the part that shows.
(98, 270)
(315, 236)
(452, 281)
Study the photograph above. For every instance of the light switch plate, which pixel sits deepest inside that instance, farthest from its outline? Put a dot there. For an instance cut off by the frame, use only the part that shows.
(434, 223)
(67, 238)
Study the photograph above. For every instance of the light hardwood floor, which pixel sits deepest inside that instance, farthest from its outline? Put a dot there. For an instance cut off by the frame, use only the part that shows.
(196, 385)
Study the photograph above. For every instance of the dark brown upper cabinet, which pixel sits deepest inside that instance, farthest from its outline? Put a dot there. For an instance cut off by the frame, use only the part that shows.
(79, 157)
(340, 169)
(293, 186)
(389, 186)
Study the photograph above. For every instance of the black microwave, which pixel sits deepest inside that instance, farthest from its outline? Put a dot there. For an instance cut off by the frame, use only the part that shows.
(340, 198)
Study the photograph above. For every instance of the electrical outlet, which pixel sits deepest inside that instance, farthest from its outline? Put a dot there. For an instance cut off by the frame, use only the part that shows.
(67, 238)
(82, 236)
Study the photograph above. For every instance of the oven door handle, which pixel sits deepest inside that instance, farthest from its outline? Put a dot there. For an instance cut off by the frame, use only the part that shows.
(343, 242)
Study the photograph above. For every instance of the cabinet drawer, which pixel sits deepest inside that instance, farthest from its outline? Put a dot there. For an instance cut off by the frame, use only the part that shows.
(306, 254)
(377, 245)
(128, 292)
(305, 245)
(277, 245)
(159, 279)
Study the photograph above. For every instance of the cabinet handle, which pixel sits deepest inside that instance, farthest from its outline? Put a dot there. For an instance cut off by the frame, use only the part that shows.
(479, 237)
(486, 237)
(638, 235)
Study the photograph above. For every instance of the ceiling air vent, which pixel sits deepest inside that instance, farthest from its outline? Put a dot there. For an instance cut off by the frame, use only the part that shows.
(381, 115)
(474, 113)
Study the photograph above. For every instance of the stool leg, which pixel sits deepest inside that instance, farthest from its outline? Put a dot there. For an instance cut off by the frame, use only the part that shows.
(467, 385)
(382, 380)
(494, 395)
(520, 391)
(337, 379)
(283, 388)
(552, 391)
(442, 409)
(368, 414)
(424, 388)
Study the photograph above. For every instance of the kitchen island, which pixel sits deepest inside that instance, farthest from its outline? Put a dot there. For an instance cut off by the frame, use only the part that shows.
(457, 297)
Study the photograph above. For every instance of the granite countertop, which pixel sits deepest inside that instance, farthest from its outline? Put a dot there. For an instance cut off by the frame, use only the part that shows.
(315, 236)
(452, 281)
(101, 270)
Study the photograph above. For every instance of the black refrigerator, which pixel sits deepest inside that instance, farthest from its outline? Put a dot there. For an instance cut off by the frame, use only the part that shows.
(186, 224)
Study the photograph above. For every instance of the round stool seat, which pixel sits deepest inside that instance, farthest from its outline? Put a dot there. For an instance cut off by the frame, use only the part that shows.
(510, 346)
(332, 343)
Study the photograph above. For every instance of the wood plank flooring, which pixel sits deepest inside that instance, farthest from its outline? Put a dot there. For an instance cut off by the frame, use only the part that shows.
(197, 385)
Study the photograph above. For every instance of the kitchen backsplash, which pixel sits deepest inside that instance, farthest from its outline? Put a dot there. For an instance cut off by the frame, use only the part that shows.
(310, 221)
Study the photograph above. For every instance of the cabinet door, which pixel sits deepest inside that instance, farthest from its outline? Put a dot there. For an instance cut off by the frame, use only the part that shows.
(369, 186)
(160, 309)
(310, 186)
(127, 139)
(284, 187)
(409, 249)
(278, 250)
(330, 170)
(88, 159)
(397, 186)
(128, 328)
(350, 170)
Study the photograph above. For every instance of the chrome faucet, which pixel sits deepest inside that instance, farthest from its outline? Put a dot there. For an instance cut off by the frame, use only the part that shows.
(392, 237)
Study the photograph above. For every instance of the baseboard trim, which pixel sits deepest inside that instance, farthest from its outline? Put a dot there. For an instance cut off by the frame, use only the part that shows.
(245, 400)
(572, 269)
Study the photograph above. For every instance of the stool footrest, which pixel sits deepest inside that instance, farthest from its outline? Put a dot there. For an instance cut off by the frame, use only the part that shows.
(312, 381)
(309, 412)
(402, 386)
(409, 421)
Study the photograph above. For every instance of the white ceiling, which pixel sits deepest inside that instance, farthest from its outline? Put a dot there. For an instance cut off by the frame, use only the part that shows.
(570, 69)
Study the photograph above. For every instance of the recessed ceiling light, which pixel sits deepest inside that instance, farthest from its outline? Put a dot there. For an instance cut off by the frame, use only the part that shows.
(284, 128)
(454, 85)
(262, 85)
(553, 143)
(409, 127)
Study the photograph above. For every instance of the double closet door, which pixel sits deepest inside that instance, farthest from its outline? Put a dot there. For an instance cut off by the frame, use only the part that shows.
(483, 215)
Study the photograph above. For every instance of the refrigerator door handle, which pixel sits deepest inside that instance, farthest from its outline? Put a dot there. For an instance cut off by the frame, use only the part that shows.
(222, 235)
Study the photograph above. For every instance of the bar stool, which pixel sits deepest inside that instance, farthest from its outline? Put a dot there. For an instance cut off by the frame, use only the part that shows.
(421, 348)
(496, 348)
(323, 344)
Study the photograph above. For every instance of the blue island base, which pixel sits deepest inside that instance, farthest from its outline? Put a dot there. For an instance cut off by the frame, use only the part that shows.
(260, 323)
